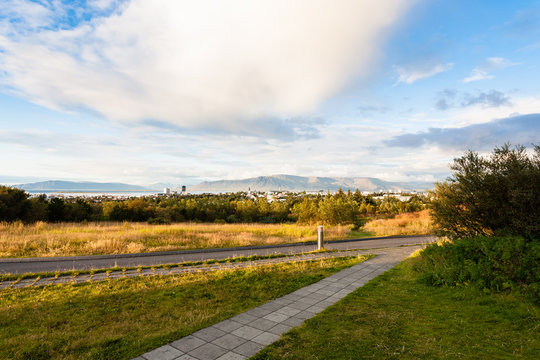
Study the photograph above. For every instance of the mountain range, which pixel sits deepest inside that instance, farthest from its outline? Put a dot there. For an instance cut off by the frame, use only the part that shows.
(75, 186)
(302, 183)
(260, 183)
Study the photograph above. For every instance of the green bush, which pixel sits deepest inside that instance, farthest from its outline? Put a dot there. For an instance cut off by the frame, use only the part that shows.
(498, 264)
(158, 221)
(493, 195)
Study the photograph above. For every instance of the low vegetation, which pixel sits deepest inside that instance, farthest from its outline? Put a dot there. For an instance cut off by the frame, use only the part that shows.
(62, 239)
(490, 195)
(121, 319)
(489, 209)
(398, 316)
(414, 223)
(492, 264)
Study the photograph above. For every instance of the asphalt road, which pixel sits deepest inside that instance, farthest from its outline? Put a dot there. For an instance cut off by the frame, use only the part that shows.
(31, 265)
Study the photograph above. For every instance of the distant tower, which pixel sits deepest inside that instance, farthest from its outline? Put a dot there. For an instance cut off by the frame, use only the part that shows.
(167, 191)
(183, 188)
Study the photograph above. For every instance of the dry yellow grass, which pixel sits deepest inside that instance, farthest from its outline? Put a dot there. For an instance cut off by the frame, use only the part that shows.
(414, 223)
(64, 239)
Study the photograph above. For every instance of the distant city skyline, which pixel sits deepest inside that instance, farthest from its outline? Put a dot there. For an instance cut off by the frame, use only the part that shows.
(180, 92)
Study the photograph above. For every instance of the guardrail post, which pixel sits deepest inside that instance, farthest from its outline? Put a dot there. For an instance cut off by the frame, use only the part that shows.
(320, 237)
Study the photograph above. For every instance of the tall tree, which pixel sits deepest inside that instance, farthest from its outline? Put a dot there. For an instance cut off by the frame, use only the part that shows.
(490, 195)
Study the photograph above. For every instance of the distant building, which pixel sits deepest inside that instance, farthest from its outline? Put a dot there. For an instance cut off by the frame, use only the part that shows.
(167, 191)
(183, 188)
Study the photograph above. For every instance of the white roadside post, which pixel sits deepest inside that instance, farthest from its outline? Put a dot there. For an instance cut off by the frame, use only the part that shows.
(320, 237)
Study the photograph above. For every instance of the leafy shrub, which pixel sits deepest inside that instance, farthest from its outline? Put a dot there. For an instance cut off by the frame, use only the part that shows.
(497, 264)
(158, 221)
(358, 223)
(492, 195)
(267, 220)
(232, 219)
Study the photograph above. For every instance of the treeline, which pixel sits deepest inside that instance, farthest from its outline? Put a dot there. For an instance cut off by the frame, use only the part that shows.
(339, 208)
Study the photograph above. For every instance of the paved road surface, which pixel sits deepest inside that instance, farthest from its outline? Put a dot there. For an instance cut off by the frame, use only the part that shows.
(29, 265)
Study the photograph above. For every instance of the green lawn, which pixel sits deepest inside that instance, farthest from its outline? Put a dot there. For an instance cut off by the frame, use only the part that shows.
(120, 319)
(395, 316)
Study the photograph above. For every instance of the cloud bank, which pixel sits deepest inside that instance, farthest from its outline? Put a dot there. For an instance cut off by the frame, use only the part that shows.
(447, 99)
(522, 129)
(194, 64)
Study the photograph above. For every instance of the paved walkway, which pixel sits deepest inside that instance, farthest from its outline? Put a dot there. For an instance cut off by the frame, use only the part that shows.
(243, 335)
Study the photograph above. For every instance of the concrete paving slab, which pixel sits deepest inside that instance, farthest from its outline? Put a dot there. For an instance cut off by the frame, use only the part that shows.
(165, 352)
(263, 324)
(286, 310)
(293, 321)
(229, 325)
(244, 318)
(266, 338)
(208, 351)
(188, 343)
(247, 332)
(272, 306)
(209, 334)
(299, 305)
(248, 349)
(280, 329)
(276, 317)
(186, 357)
(258, 312)
(229, 341)
(231, 356)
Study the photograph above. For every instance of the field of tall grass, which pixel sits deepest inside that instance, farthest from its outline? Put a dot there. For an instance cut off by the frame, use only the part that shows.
(65, 239)
(413, 223)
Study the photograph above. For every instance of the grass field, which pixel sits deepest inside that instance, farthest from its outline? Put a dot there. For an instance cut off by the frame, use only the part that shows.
(414, 223)
(64, 239)
(396, 317)
(120, 319)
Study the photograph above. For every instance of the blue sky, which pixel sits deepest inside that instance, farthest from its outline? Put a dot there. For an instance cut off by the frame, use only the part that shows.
(182, 91)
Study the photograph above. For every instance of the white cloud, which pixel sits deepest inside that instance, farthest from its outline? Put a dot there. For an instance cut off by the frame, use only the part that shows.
(482, 72)
(479, 113)
(477, 74)
(27, 13)
(151, 156)
(201, 64)
(408, 76)
(101, 4)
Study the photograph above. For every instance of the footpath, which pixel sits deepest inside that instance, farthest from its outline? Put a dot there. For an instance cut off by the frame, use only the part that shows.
(243, 335)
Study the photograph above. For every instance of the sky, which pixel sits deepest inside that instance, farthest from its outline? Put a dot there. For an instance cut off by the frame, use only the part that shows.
(172, 91)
